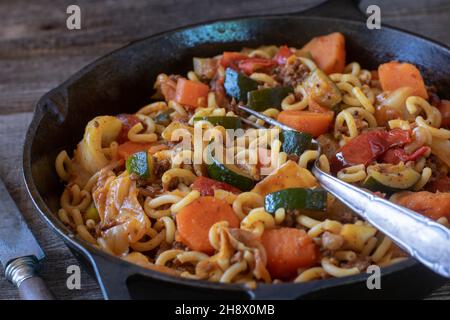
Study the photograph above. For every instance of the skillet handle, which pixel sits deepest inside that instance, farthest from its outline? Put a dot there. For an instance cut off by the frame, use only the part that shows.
(127, 281)
(111, 278)
(346, 9)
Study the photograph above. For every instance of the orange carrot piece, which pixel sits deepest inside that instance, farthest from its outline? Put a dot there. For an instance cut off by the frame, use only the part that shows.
(432, 205)
(394, 75)
(306, 121)
(444, 108)
(287, 250)
(126, 149)
(195, 220)
(190, 92)
(328, 52)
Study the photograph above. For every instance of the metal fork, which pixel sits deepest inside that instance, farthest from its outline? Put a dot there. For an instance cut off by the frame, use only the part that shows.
(424, 239)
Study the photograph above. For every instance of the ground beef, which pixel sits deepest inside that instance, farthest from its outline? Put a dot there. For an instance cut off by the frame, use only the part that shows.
(179, 245)
(328, 144)
(434, 98)
(438, 168)
(161, 167)
(293, 157)
(362, 263)
(340, 212)
(150, 190)
(291, 74)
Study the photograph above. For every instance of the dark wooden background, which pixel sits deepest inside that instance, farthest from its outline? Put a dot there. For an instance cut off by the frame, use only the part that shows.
(37, 53)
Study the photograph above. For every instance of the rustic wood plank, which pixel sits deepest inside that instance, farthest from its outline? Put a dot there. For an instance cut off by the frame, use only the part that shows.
(37, 52)
(58, 257)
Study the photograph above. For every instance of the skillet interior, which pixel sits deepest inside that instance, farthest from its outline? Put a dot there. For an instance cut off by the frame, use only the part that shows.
(121, 82)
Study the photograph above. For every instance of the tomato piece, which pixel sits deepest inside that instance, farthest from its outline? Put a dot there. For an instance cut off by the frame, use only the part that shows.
(366, 147)
(395, 155)
(206, 186)
(128, 148)
(230, 59)
(128, 122)
(398, 137)
(250, 65)
(282, 55)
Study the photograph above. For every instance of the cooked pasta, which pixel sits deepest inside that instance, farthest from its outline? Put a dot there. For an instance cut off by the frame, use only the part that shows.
(233, 205)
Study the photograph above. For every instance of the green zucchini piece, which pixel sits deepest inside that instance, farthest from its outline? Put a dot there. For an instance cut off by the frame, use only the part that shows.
(296, 198)
(230, 174)
(322, 89)
(164, 118)
(238, 85)
(295, 142)
(226, 122)
(141, 164)
(263, 99)
(389, 178)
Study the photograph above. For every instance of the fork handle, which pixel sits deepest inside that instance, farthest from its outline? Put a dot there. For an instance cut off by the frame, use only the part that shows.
(22, 273)
(424, 239)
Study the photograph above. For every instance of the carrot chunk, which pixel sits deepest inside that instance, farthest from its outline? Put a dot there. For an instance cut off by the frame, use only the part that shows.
(195, 220)
(432, 205)
(287, 250)
(314, 123)
(190, 93)
(328, 52)
(394, 75)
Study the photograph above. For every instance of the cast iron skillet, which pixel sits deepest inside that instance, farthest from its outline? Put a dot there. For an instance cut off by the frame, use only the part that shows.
(121, 81)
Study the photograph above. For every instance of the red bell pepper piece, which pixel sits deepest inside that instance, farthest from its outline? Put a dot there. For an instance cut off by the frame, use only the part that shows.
(128, 122)
(395, 155)
(366, 147)
(250, 65)
(207, 186)
(231, 59)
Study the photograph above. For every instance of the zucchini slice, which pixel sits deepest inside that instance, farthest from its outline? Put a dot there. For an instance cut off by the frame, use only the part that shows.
(226, 122)
(230, 174)
(238, 85)
(296, 198)
(164, 117)
(263, 99)
(294, 142)
(140, 164)
(389, 178)
(322, 89)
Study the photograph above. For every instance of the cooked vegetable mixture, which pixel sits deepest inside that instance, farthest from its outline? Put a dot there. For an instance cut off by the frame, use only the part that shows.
(134, 189)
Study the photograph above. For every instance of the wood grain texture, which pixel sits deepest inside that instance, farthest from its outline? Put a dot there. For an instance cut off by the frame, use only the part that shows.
(37, 53)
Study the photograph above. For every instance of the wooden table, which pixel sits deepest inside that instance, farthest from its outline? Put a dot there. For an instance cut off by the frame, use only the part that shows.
(37, 52)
